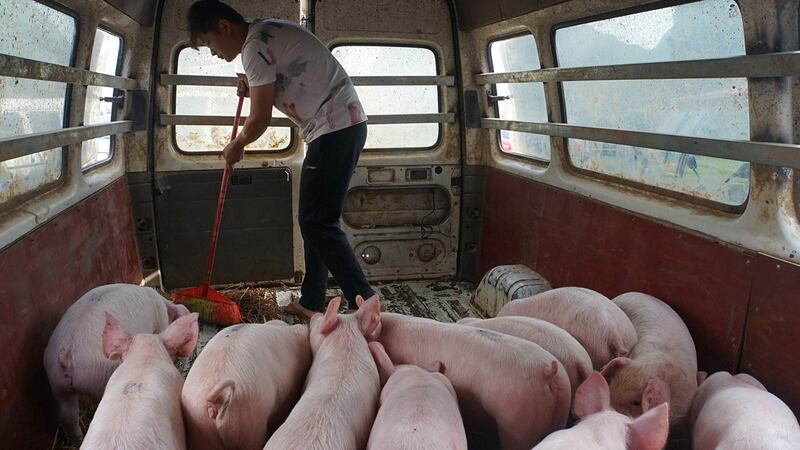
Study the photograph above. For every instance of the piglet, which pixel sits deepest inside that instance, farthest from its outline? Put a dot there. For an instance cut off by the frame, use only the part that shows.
(735, 412)
(662, 366)
(601, 428)
(340, 400)
(73, 358)
(141, 406)
(599, 325)
(243, 385)
(418, 408)
(503, 383)
(555, 340)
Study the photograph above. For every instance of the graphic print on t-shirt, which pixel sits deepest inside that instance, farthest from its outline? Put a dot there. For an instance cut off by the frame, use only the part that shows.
(311, 87)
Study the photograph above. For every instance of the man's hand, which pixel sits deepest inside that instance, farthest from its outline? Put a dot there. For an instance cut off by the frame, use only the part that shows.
(242, 85)
(233, 153)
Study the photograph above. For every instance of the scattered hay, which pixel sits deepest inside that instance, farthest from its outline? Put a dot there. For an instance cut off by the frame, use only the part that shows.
(258, 305)
(64, 441)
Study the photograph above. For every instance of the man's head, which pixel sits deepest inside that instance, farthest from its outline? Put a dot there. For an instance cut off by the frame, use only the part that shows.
(217, 26)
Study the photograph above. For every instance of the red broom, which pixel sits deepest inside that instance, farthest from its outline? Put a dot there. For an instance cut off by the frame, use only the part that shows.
(212, 306)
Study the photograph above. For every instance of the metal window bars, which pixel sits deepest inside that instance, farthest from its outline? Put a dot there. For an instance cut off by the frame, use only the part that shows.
(771, 65)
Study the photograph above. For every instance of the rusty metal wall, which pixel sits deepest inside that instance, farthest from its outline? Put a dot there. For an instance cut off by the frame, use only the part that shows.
(769, 221)
(90, 244)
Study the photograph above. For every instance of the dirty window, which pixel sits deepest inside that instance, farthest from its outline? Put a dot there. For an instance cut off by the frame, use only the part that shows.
(710, 108)
(386, 60)
(106, 53)
(216, 101)
(34, 31)
(519, 101)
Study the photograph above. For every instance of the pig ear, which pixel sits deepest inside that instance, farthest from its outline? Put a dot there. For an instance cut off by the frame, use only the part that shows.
(369, 316)
(219, 399)
(382, 360)
(649, 431)
(180, 337)
(116, 338)
(174, 311)
(655, 393)
(331, 318)
(609, 370)
(591, 396)
(359, 300)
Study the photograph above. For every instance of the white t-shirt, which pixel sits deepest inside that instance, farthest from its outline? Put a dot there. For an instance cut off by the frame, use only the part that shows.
(311, 87)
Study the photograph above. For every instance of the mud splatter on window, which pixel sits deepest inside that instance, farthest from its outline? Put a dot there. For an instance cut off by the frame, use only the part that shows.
(386, 60)
(106, 53)
(709, 108)
(520, 101)
(216, 101)
(34, 31)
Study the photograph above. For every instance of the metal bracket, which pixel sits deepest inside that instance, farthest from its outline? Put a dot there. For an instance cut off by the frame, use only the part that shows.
(117, 100)
(493, 99)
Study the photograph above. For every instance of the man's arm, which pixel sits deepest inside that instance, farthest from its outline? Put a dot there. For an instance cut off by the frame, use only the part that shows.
(262, 99)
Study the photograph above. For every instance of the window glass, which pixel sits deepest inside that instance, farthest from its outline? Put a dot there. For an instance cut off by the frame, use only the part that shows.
(525, 101)
(105, 59)
(216, 101)
(34, 31)
(710, 108)
(377, 60)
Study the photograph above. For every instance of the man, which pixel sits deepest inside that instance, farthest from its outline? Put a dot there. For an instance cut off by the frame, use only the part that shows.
(289, 68)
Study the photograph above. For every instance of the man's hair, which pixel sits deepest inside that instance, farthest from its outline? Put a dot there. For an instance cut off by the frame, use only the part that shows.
(204, 15)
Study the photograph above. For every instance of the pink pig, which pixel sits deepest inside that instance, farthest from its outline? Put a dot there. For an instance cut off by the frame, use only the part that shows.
(601, 428)
(503, 382)
(599, 325)
(340, 399)
(662, 366)
(141, 407)
(735, 412)
(243, 385)
(555, 340)
(419, 409)
(74, 360)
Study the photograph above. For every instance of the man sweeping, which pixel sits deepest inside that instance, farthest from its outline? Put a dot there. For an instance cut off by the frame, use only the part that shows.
(289, 68)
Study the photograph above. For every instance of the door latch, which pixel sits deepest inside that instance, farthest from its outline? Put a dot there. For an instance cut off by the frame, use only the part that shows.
(117, 100)
(493, 99)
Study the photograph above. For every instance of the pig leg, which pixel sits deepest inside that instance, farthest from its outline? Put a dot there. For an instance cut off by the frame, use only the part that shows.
(68, 412)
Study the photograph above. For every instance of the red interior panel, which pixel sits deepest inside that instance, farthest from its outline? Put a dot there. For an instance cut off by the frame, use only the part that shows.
(41, 275)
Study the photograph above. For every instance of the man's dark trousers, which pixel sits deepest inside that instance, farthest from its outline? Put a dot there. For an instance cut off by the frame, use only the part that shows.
(326, 174)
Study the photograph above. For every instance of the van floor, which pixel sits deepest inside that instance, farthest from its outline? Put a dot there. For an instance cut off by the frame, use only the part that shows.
(445, 301)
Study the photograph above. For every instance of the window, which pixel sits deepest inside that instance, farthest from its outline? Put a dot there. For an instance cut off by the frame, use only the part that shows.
(216, 101)
(711, 108)
(387, 60)
(520, 101)
(32, 30)
(106, 53)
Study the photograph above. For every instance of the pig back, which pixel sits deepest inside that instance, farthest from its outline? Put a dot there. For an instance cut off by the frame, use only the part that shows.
(499, 379)
(75, 346)
(738, 415)
(665, 349)
(266, 364)
(550, 337)
(591, 318)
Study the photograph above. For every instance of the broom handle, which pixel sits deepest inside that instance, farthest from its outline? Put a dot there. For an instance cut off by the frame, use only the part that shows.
(223, 189)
